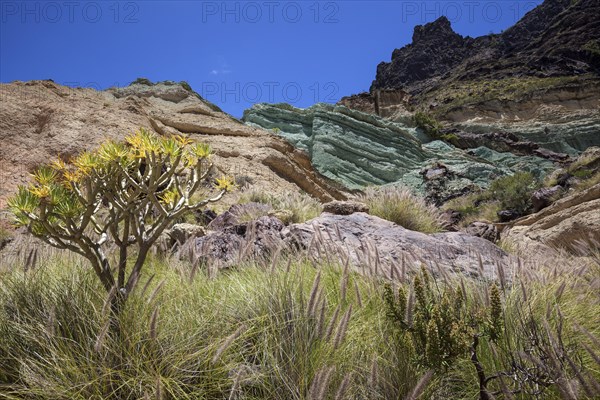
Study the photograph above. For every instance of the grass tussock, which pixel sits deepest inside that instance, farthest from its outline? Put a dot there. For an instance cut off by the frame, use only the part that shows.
(299, 329)
(297, 207)
(400, 206)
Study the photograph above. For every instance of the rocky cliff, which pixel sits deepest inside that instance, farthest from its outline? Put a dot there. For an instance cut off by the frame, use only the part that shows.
(557, 38)
(358, 149)
(539, 80)
(40, 120)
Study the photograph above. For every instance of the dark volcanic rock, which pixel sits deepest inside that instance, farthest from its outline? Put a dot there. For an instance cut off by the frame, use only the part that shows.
(237, 243)
(435, 50)
(555, 39)
(370, 244)
(483, 230)
(345, 207)
(508, 215)
(501, 142)
(542, 198)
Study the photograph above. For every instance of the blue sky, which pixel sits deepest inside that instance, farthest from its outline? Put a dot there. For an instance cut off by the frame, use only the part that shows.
(234, 53)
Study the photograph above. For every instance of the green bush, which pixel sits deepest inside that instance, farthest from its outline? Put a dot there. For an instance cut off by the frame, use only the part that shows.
(513, 192)
(399, 205)
(427, 123)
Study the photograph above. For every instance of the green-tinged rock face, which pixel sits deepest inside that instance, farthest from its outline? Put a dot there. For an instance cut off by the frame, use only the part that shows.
(359, 149)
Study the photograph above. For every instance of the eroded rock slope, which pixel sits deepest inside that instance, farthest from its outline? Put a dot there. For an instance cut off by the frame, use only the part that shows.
(40, 120)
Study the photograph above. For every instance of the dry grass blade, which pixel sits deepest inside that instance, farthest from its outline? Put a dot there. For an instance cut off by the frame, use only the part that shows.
(314, 292)
(194, 270)
(343, 388)
(342, 328)
(228, 341)
(99, 343)
(420, 386)
(590, 335)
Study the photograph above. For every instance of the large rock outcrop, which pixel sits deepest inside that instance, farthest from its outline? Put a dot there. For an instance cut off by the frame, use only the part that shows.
(40, 120)
(359, 149)
(367, 243)
(569, 223)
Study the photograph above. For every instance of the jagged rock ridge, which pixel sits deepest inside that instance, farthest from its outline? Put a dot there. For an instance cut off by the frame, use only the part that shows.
(557, 38)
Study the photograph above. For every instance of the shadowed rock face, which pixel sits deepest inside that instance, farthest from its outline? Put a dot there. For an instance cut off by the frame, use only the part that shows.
(40, 120)
(358, 149)
(554, 39)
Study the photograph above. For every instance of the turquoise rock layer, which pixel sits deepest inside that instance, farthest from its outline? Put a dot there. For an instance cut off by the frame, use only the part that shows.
(358, 149)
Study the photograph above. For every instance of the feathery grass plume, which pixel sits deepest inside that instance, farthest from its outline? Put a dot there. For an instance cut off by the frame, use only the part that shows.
(314, 385)
(332, 322)
(342, 328)
(153, 333)
(147, 284)
(227, 342)
(344, 280)
(321, 318)
(340, 394)
(496, 322)
(358, 296)
(312, 302)
(421, 385)
(324, 383)
(501, 275)
(374, 373)
(156, 290)
(159, 395)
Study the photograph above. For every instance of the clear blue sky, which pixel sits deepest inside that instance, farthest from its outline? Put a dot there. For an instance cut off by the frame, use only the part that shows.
(233, 53)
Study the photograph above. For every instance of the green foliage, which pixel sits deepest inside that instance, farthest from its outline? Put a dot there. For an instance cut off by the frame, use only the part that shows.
(427, 123)
(249, 333)
(400, 206)
(128, 192)
(450, 138)
(507, 193)
(592, 47)
(513, 192)
(142, 81)
(437, 325)
(297, 329)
